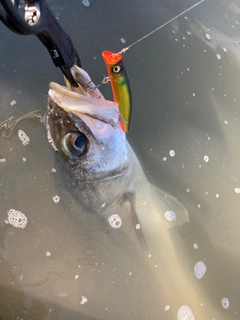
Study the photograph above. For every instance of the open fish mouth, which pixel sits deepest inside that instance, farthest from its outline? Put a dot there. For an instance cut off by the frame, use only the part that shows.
(86, 99)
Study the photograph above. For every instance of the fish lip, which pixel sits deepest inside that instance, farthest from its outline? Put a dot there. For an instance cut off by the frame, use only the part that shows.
(99, 109)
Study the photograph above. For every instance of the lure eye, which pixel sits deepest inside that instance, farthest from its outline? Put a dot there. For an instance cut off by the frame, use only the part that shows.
(75, 144)
(116, 69)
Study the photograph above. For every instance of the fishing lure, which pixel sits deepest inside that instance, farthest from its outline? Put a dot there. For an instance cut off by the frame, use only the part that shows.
(120, 86)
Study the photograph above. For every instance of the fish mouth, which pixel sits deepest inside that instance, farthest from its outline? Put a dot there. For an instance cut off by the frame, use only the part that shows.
(84, 100)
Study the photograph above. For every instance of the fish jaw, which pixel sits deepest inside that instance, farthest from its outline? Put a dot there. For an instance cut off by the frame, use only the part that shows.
(106, 154)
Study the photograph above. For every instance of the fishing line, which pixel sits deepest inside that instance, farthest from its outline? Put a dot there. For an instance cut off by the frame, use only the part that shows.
(158, 28)
(107, 79)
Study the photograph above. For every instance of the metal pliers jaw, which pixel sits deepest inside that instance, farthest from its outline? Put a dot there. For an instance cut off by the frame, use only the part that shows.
(39, 20)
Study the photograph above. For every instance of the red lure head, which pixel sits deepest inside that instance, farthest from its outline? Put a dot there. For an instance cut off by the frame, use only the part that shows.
(111, 58)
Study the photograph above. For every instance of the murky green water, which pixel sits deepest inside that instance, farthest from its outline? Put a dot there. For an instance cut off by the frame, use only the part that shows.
(184, 130)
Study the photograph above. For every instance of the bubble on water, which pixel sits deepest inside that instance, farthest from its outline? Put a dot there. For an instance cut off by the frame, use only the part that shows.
(3, 160)
(138, 226)
(13, 102)
(188, 33)
(208, 36)
(225, 303)
(206, 158)
(173, 32)
(167, 307)
(56, 199)
(23, 137)
(86, 3)
(164, 158)
(237, 190)
(16, 218)
(170, 216)
(54, 170)
(103, 205)
(195, 246)
(218, 56)
(48, 254)
(123, 40)
(199, 206)
(224, 49)
(225, 122)
(115, 221)
(76, 276)
(188, 190)
(217, 195)
(200, 269)
(194, 94)
(24, 159)
(185, 313)
(172, 153)
(84, 300)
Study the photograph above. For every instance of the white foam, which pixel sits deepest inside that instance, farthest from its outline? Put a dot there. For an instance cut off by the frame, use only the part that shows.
(17, 219)
(195, 246)
(167, 307)
(200, 270)
(84, 300)
(185, 313)
(170, 216)
(3, 160)
(208, 36)
(172, 153)
(86, 3)
(218, 56)
(138, 226)
(13, 102)
(23, 137)
(56, 199)
(115, 221)
(206, 158)
(225, 303)
(237, 190)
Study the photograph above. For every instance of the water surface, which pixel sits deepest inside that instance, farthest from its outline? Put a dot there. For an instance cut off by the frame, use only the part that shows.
(185, 129)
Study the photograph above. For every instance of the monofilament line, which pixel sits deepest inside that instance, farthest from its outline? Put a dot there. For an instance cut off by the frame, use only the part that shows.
(158, 28)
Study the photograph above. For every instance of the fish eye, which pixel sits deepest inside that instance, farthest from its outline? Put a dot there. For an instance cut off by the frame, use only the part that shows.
(75, 144)
(116, 69)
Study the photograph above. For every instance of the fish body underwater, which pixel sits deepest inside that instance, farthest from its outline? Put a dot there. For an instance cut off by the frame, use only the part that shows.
(116, 251)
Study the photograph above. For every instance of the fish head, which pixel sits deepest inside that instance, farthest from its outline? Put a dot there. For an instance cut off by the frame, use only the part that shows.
(85, 130)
